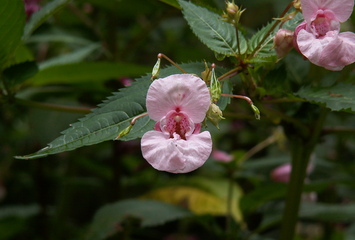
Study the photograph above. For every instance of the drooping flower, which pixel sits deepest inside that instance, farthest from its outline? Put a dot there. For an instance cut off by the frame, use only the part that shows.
(318, 37)
(179, 104)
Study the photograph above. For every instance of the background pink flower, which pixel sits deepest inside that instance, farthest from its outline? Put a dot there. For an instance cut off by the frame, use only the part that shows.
(221, 156)
(318, 37)
(179, 104)
(31, 6)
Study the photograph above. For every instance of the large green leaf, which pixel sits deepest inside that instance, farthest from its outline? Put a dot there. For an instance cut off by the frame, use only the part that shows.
(11, 27)
(149, 212)
(86, 72)
(202, 196)
(111, 117)
(261, 43)
(340, 97)
(105, 122)
(42, 15)
(216, 34)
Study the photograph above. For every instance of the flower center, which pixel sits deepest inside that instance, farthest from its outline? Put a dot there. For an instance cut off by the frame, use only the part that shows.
(320, 26)
(177, 124)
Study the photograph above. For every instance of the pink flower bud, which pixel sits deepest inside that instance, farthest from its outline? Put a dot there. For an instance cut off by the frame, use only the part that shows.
(31, 6)
(283, 172)
(221, 156)
(283, 42)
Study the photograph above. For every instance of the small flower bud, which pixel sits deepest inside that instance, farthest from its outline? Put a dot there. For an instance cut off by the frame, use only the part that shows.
(283, 42)
(206, 75)
(124, 132)
(156, 69)
(297, 5)
(214, 114)
(215, 88)
(256, 111)
(233, 13)
(232, 9)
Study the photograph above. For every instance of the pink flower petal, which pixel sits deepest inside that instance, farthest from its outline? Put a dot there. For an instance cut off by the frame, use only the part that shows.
(339, 53)
(342, 9)
(311, 47)
(332, 52)
(184, 91)
(309, 9)
(176, 155)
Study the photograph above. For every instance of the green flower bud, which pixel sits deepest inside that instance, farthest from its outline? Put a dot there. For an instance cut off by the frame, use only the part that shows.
(156, 69)
(214, 114)
(124, 132)
(215, 87)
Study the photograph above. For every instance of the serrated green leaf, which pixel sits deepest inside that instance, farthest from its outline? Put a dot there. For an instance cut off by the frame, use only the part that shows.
(42, 15)
(149, 212)
(86, 72)
(264, 50)
(11, 27)
(294, 22)
(216, 34)
(340, 97)
(105, 122)
(112, 116)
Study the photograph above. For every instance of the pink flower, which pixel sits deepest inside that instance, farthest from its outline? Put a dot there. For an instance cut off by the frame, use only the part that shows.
(31, 6)
(318, 37)
(283, 172)
(179, 104)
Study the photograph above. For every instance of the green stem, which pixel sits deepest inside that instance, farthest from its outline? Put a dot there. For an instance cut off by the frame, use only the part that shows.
(230, 73)
(301, 150)
(229, 207)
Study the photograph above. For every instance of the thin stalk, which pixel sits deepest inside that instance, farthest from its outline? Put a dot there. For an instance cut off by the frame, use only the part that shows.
(161, 55)
(229, 208)
(230, 73)
(238, 96)
(301, 149)
(293, 198)
(238, 42)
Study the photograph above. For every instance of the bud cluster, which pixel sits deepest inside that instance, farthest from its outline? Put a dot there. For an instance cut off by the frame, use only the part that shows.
(233, 13)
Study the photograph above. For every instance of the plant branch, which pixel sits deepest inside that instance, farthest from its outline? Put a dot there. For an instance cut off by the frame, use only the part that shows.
(161, 55)
(301, 150)
(230, 73)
